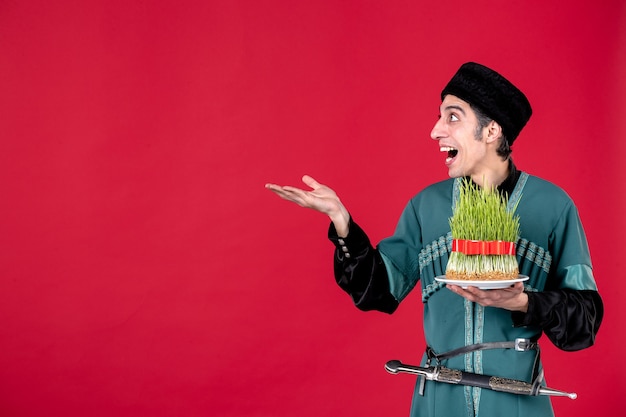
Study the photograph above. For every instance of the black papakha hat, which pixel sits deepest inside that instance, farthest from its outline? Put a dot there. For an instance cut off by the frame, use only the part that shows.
(493, 94)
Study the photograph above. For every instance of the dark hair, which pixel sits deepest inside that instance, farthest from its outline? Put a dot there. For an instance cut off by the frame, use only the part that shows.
(504, 149)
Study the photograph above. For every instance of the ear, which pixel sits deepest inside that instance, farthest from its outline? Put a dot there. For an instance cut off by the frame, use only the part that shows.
(494, 132)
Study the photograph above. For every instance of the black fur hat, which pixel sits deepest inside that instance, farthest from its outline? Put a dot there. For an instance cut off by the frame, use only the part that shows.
(493, 94)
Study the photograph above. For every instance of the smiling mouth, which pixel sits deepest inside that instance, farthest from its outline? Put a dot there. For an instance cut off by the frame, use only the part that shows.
(452, 152)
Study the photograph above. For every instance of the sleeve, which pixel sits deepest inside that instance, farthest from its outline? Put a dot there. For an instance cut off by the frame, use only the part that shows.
(570, 309)
(360, 271)
(569, 318)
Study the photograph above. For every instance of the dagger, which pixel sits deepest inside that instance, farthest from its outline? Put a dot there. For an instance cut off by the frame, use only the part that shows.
(494, 383)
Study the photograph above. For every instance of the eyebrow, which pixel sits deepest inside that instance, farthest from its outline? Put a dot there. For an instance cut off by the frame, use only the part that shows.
(454, 107)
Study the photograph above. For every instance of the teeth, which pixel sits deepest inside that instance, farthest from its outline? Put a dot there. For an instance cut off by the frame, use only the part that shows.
(446, 149)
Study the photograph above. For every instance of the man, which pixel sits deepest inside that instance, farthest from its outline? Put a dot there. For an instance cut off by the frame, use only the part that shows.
(481, 115)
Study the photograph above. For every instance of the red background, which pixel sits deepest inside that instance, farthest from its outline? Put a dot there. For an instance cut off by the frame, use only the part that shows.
(146, 271)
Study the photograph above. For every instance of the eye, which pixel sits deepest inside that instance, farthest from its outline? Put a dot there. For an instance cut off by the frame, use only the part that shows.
(453, 118)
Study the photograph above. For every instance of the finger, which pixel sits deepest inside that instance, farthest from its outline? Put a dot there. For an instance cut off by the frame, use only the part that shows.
(518, 285)
(276, 187)
(515, 288)
(457, 289)
(295, 190)
(285, 193)
(474, 290)
(273, 187)
(310, 181)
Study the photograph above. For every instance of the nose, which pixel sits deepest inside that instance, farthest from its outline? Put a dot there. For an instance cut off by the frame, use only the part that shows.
(438, 131)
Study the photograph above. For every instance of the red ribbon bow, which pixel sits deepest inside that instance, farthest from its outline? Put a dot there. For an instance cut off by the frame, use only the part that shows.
(483, 247)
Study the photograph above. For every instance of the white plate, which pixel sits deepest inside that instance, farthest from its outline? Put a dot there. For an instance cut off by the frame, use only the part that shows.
(483, 285)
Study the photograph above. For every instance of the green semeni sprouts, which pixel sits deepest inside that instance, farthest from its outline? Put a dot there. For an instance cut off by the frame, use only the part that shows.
(480, 217)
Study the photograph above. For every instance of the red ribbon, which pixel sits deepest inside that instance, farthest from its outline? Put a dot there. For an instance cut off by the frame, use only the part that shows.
(483, 247)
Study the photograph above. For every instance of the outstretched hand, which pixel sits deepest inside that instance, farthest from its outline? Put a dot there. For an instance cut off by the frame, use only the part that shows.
(511, 298)
(320, 198)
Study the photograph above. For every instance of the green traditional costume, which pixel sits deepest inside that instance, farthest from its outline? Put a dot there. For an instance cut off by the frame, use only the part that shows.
(563, 298)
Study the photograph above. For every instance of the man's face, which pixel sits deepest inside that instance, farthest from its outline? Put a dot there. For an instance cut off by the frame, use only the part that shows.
(456, 130)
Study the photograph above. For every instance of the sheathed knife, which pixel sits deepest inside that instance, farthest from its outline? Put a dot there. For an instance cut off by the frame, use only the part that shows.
(494, 383)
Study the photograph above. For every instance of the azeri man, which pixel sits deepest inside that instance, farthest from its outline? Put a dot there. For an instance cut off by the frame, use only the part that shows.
(481, 115)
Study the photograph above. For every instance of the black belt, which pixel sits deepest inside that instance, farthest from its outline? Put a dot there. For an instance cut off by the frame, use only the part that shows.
(520, 345)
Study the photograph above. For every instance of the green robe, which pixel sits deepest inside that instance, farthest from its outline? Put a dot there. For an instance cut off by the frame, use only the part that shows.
(552, 251)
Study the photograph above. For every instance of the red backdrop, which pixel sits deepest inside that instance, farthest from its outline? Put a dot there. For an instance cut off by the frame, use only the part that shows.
(146, 271)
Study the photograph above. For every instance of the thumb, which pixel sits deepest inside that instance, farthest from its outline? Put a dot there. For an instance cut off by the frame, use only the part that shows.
(308, 180)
